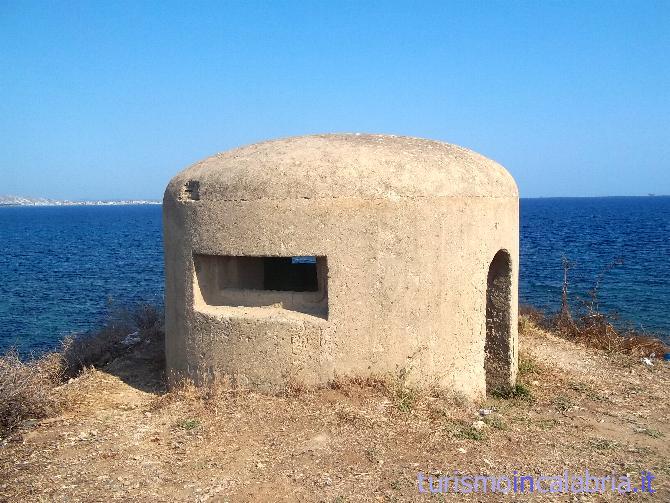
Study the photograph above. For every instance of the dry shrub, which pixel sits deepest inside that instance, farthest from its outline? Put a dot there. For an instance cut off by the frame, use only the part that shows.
(532, 313)
(26, 388)
(344, 383)
(123, 330)
(395, 386)
(184, 390)
(205, 394)
(597, 329)
(294, 389)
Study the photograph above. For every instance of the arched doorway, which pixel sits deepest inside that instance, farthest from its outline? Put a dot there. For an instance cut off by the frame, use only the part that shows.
(497, 349)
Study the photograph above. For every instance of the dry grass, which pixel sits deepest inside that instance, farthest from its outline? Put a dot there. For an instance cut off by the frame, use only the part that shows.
(25, 389)
(531, 313)
(597, 329)
(354, 440)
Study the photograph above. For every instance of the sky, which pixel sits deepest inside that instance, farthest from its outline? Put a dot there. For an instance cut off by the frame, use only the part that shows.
(110, 99)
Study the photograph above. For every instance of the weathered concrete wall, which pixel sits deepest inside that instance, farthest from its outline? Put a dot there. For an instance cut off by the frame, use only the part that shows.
(408, 227)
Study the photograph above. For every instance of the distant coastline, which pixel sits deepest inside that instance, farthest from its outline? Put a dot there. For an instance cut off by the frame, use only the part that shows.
(639, 196)
(41, 201)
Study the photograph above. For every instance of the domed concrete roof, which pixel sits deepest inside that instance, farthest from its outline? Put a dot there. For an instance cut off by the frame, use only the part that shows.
(346, 165)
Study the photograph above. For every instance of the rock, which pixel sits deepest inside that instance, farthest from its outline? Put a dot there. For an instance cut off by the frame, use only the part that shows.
(131, 339)
(478, 425)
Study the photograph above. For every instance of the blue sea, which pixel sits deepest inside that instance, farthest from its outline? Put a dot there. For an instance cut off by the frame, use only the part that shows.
(63, 267)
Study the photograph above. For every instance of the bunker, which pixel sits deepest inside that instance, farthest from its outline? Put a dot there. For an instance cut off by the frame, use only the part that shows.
(302, 259)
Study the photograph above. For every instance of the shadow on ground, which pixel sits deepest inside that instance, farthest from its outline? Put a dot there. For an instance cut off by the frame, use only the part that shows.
(142, 367)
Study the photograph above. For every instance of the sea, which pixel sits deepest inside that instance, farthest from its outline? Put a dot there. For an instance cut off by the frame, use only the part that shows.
(63, 268)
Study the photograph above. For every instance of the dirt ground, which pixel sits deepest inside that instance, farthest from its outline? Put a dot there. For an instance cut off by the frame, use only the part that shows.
(122, 437)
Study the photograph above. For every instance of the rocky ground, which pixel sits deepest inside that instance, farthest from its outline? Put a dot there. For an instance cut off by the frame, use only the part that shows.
(122, 437)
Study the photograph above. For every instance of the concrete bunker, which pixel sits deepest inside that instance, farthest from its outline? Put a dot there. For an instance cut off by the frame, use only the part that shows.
(301, 259)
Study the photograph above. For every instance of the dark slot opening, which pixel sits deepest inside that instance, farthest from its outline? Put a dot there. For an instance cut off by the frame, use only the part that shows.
(294, 283)
(295, 274)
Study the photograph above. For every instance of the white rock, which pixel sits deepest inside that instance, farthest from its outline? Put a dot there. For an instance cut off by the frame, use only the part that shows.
(478, 425)
(131, 339)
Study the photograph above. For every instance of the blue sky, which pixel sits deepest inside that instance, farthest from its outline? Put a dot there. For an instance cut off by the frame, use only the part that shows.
(108, 99)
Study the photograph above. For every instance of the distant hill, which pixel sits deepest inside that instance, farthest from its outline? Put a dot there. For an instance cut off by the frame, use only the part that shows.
(41, 201)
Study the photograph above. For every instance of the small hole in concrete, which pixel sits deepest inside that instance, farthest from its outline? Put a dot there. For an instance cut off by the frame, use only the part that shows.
(191, 191)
